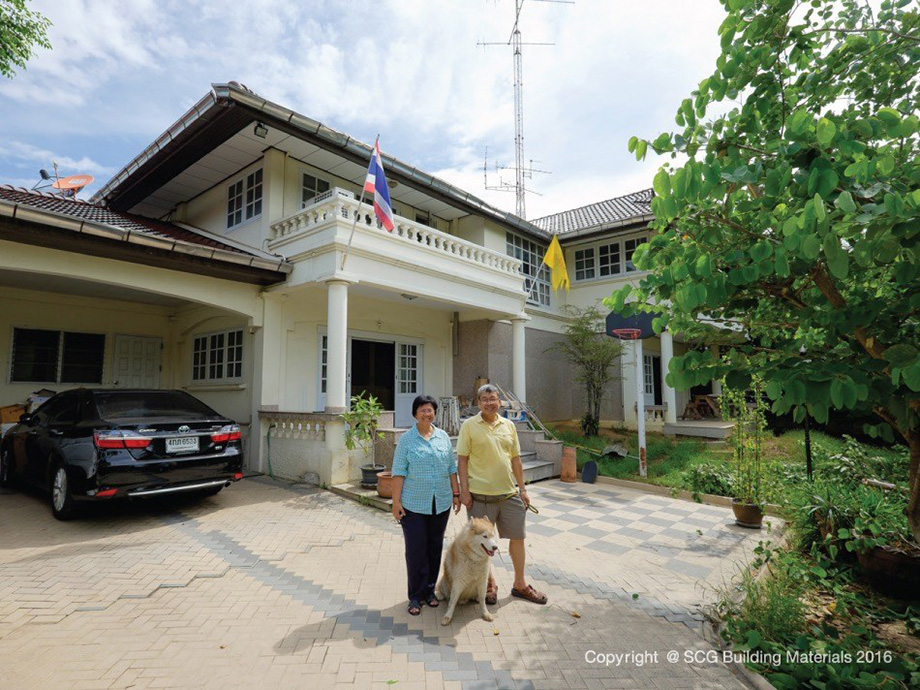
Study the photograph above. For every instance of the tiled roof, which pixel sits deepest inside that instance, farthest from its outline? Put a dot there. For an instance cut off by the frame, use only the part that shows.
(99, 214)
(616, 210)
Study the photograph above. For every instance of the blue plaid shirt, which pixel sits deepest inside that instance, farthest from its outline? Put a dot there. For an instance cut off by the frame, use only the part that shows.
(426, 466)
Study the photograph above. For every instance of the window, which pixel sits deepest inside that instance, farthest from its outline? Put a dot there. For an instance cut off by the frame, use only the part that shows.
(312, 188)
(609, 259)
(218, 356)
(536, 274)
(584, 264)
(244, 199)
(324, 366)
(408, 369)
(423, 219)
(648, 371)
(629, 248)
(56, 356)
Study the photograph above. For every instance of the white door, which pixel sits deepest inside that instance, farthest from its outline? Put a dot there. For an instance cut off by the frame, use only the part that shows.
(408, 381)
(648, 372)
(137, 362)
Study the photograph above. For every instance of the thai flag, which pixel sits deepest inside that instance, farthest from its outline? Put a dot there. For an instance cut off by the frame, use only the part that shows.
(376, 185)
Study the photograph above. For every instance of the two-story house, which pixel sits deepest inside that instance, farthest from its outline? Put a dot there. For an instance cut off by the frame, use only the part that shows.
(218, 261)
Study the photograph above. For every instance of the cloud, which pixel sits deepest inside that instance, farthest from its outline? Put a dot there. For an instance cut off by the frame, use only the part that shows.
(120, 73)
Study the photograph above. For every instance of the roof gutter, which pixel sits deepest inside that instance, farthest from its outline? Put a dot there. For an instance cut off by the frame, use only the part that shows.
(25, 213)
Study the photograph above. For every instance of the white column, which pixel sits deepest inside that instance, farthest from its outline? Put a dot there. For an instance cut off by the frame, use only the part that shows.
(266, 373)
(640, 403)
(668, 394)
(519, 358)
(716, 384)
(337, 346)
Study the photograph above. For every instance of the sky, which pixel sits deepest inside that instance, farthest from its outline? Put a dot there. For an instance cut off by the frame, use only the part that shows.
(120, 73)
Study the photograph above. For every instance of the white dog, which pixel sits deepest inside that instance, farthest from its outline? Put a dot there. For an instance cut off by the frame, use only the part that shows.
(466, 567)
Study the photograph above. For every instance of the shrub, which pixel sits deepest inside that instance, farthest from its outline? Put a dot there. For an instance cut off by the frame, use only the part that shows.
(707, 478)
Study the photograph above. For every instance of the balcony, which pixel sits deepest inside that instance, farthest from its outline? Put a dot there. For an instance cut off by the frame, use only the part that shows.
(412, 258)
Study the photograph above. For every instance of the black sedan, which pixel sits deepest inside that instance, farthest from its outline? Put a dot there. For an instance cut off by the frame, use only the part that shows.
(93, 445)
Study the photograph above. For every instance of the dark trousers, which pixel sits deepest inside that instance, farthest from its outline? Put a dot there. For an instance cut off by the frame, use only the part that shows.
(424, 541)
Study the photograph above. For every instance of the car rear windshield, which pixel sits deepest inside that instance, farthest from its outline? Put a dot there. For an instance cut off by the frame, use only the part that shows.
(120, 405)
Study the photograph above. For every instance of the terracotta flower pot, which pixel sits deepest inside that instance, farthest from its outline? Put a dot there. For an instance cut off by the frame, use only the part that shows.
(569, 465)
(747, 514)
(385, 484)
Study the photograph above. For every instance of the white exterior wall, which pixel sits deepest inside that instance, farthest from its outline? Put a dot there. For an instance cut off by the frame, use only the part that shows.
(57, 312)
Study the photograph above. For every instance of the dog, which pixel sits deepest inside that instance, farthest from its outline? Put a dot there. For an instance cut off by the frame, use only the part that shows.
(466, 567)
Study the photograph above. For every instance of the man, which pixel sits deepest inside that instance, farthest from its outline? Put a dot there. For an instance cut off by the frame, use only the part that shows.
(492, 484)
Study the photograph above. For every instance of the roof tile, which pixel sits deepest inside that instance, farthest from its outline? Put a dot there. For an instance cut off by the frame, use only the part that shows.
(100, 214)
(616, 210)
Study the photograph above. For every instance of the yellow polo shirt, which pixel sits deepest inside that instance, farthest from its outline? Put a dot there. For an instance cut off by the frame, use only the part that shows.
(490, 448)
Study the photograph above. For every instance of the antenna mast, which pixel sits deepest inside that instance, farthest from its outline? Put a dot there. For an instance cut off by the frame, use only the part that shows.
(520, 170)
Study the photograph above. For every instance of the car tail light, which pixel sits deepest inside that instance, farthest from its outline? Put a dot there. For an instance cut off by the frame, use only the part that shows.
(106, 493)
(231, 432)
(238, 475)
(120, 439)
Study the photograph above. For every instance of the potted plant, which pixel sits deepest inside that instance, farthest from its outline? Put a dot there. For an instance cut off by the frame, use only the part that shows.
(361, 431)
(747, 440)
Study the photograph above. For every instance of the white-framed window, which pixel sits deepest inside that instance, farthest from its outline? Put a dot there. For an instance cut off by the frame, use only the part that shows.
(244, 198)
(610, 263)
(610, 258)
(324, 363)
(218, 356)
(584, 264)
(45, 356)
(629, 248)
(312, 187)
(536, 274)
(408, 369)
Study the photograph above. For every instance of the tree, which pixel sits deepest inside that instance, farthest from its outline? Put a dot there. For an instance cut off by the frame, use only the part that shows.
(20, 30)
(592, 353)
(795, 219)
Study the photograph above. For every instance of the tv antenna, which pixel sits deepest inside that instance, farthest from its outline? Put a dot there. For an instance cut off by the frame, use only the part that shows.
(521, 172)
(67, 187)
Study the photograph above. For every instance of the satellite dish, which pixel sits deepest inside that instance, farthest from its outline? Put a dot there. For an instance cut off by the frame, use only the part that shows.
(72, 182)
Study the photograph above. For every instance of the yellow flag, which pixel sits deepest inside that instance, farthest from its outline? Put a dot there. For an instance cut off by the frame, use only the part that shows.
(555, 259)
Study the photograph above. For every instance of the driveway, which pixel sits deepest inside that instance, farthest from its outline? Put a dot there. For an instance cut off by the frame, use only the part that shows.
(269, 585)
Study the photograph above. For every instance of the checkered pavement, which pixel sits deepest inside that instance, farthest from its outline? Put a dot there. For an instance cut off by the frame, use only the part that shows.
(268, 585)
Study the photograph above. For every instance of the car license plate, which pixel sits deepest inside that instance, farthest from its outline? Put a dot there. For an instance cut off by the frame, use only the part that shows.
(183, 444)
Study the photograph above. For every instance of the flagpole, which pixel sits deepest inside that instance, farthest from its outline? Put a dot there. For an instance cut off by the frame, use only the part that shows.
(357, 215)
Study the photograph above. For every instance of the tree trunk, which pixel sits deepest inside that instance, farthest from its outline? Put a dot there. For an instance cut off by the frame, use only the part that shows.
(913, 504)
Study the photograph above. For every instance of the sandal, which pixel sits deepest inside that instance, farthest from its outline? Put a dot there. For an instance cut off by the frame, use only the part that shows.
(492, 594)
(530, 594)
(415, 608)
(432, 602)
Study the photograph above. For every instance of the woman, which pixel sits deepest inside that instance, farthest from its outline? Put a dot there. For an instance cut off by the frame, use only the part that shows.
(424, 488)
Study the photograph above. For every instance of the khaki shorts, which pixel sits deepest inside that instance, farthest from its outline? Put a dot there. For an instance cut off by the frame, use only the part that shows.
(507, 515)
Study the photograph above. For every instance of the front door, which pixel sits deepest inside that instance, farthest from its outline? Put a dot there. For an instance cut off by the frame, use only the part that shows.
(652, 373)
(137, 362)
(373, 370)
(408, 381)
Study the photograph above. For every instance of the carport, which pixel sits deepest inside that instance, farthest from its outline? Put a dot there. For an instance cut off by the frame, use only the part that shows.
(98, 298)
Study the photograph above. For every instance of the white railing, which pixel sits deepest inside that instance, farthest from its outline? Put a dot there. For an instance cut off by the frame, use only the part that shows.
(296, 425)
(339, 205)
(654, 413)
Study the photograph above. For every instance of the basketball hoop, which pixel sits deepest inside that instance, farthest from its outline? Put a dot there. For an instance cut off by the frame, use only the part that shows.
(626, 333)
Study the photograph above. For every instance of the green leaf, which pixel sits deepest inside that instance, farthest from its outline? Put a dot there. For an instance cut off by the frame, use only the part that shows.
(838, 261)
(901, 355)
(889, 116)
(798, 121)
(662, 183)
(885, 165)
(825, 132)
(845, 202)
(811, 246)
(827, 182)
(911, 376)
(631, 144)
(738, 379)
(641, 148)
(704, 266)
(837, 393)
(820, 211)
